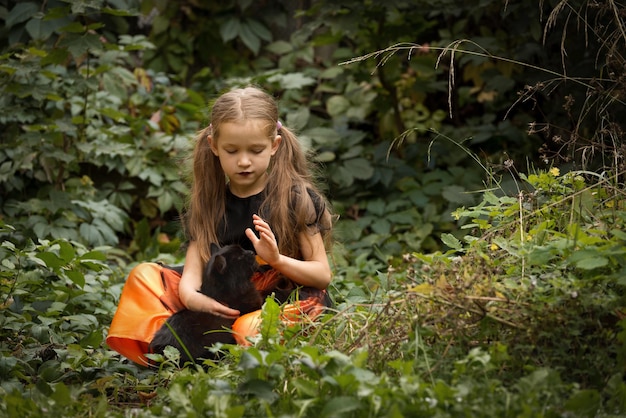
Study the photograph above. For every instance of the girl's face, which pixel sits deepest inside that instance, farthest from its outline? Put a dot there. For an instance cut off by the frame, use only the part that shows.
(244, 152)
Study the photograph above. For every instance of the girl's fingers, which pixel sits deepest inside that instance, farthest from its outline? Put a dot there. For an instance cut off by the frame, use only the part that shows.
(224, 311)
(268, 236)
(251, 235)
(210, 305)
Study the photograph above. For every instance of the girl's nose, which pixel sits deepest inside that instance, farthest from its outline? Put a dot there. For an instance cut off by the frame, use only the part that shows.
(244, 161)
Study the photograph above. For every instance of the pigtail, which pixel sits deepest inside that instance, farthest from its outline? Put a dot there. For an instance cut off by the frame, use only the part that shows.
(208, 193)
(289, 197)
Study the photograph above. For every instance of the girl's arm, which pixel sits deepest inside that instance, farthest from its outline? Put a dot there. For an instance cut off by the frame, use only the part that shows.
(189, 288)
(313, 270)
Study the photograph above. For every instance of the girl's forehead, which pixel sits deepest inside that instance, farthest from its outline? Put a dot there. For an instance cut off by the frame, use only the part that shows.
(251, 124)
(246, 131)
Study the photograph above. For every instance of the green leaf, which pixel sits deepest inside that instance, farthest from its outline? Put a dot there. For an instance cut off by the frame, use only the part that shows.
(118, 12)
(79, 45)
(584, 403)
(152, 175)
(619, 234)
(340, 405)
(259, 30)
(248, 361)
(592, 263)
(229, 30)
(259, 389)
(325, 157)
(165, 201)
(539, 256)
(93, 255)
(76, 277)
(292, 81)
(381, 226)
(343, 177)
(279, 47)
(451, 241)
(331, 73)
(457, 194)
(10, 265)
(249, 38)
(55, 56)
(74, 27)
(360, 168)
(108, 234)
(306, 387)
(337, 105)
(352, 152)
(36, 29)
(51, 260)
(160, 25)
(91, 234)
(297, 119)
(66, 251)
(376, 207)
(21, 13)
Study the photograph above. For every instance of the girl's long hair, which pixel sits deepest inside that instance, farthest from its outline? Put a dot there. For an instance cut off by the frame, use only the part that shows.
(288, 206)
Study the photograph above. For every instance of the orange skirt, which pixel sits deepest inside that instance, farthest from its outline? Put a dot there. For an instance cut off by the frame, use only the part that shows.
(150, 296)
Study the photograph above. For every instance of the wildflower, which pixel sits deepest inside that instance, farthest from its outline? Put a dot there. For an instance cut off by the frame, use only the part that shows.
(555, 171)
(494, 247)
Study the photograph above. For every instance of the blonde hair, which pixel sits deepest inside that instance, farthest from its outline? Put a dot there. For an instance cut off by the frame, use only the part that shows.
(288, 204)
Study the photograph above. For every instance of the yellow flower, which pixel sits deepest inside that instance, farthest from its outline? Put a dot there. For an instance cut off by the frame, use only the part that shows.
(555, 171)
(494, 247)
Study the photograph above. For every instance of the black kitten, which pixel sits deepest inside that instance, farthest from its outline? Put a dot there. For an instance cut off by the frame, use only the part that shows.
(226, 278)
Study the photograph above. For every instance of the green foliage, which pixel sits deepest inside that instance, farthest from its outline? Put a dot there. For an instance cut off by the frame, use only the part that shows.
(235, 31)
(308, 382)
(551, 288)
(90, 141)
(55, 297)
(511, 306)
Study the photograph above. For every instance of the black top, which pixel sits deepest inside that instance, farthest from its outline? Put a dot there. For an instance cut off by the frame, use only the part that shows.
(238, 216)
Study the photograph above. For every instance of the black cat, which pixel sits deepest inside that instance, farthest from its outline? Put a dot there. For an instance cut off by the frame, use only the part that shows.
(226, 278)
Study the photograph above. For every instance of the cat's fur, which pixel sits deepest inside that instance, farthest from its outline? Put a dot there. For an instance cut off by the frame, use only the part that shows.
(226, 278)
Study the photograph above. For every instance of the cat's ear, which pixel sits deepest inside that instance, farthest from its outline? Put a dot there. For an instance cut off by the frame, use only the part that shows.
(219, 264)
(214, 247)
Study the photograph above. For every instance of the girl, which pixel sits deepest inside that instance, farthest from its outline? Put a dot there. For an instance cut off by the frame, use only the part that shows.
(251, 186)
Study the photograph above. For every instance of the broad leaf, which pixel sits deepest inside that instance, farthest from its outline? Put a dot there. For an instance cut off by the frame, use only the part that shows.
(249, 38)
(451, 241)
(592, 263)
(21, 13)
(229, 30)
(360, 168)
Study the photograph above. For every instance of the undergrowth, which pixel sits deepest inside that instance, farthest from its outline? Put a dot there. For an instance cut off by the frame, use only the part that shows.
(522, 316)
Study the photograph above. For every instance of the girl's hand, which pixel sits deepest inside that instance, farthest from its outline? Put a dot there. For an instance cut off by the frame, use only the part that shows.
(202, 303)
(191, 281)
(265, 245)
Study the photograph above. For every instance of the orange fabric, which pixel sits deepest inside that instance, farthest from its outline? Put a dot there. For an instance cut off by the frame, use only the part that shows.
(150, 296)
(248, 325)
(171, 280)
(140, 312)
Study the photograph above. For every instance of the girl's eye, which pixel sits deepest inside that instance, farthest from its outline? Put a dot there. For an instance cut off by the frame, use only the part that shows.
(257, 151)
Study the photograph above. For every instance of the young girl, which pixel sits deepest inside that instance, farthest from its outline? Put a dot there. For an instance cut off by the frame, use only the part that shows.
(251, 186)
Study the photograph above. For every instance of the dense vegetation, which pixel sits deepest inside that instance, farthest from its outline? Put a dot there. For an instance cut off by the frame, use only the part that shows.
(474, 153)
